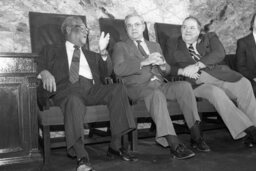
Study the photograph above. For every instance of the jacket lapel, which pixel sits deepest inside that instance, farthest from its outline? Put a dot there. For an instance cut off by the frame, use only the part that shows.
(252, 45)
(184, 50)
(134, 49)
(92, 64)
(62, 53)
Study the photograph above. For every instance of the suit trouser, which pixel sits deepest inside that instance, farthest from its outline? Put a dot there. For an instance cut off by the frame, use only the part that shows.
(219, 93)
(156, 94)
(83, 93)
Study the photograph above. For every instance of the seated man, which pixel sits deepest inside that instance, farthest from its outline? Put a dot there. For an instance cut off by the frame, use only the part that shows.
(140, 64)
(199, 56)
(72, 76)
(246, 55)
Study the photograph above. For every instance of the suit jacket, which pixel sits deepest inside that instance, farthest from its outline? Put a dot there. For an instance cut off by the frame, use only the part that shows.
(212, 52)
(246, 56)
(54, 59)
(127, 59)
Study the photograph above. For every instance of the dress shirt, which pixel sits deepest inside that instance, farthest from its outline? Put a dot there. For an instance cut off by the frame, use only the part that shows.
(144, 45)
(84, 68)
(254, 36)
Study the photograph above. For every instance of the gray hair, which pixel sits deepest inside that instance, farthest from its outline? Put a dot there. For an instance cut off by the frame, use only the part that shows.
(195, 19)
(133, 15)
(69, 21)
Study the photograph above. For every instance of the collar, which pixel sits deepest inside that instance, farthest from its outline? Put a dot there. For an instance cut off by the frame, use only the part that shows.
(70, 45)
(142, 41)
(193, 44)
(254, 35)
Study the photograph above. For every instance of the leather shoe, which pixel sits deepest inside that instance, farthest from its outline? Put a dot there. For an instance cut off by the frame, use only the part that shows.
(83, 164)
(121, 153)
(181, 152)
(200, 145)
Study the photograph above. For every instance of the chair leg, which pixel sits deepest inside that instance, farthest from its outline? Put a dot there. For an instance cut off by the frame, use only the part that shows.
(46, 143)
(134, 138)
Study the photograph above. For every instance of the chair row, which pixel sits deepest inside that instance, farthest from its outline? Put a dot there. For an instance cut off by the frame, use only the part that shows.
(44, 29)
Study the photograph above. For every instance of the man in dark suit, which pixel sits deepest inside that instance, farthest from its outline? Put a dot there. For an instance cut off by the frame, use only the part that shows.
(246, 55)
(199, 57)
(72, 76)
(141, 65)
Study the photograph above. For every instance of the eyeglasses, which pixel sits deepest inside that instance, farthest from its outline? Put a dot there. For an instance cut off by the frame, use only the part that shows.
(136, 25)
(81, 28)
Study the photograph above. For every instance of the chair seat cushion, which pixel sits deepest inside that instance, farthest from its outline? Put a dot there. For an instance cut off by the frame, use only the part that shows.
(54, 115)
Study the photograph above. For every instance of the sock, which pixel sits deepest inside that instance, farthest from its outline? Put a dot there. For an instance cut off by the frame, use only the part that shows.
(115, 142)
(196, 131)
(80, 150)
(173, 141)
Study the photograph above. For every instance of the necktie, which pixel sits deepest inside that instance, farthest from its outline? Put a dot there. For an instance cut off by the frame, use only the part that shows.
(142, 51)
(154, 68)
(74, 67)
(193, 53)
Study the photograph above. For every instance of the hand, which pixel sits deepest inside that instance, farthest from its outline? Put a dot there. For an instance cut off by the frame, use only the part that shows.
(191, 71)
(104, 40)
(48, 81)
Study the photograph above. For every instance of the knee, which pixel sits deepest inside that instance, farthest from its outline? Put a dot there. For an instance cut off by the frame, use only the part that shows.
(119, 89)
(156, 93)
(74, 100)
(215, 93)
(185, 87)
(246, 82)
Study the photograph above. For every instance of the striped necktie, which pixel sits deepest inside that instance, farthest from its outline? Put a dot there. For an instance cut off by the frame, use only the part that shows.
(74, 67)
(193, 53)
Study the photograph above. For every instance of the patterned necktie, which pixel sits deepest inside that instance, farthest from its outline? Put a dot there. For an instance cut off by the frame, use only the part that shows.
(74, 67)
(193, 53)
(142, 51)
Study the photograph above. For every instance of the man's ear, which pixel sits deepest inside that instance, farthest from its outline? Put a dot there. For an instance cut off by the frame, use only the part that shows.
(68, 30)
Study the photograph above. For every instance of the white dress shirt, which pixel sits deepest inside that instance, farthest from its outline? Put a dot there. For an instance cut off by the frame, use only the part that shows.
(144, 45)
(254, 35)
(84, 68)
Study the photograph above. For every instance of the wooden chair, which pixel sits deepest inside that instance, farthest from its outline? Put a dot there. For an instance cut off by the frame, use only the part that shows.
(45, 29)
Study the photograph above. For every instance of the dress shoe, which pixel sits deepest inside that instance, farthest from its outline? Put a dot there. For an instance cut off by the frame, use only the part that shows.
(121, 153)
(182, 152)
(83, 164)
(200, 145)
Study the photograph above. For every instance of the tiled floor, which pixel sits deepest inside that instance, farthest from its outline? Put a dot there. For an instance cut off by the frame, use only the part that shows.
(226, 155)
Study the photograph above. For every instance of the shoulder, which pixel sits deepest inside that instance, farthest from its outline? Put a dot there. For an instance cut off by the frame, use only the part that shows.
(172, 40)
(120, 44)
(89, 53)
(52, 48)
(211, 35)
(245, 38)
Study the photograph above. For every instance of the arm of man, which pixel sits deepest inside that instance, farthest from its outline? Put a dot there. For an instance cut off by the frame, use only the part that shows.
(123, 64)
(216, 51)
(241, 60)
(43, 69)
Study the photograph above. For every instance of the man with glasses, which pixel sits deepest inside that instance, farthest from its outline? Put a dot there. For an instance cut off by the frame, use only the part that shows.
(72, 76)
(141, 66)
(200, 57)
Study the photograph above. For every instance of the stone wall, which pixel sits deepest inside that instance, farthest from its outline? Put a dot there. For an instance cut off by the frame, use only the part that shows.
(229, 18)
